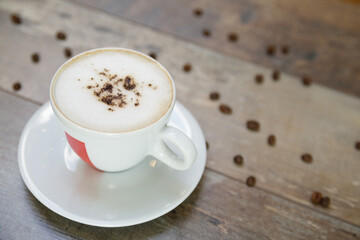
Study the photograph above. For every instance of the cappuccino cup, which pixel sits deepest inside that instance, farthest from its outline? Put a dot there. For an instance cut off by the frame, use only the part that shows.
(114, 105)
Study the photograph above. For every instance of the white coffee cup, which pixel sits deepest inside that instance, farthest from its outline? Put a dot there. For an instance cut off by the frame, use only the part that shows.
(119, 151)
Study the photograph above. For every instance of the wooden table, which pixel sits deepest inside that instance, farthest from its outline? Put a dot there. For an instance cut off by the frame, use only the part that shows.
(322, 39)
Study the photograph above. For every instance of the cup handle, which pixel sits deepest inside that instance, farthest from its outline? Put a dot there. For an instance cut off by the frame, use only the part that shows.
(162, 152)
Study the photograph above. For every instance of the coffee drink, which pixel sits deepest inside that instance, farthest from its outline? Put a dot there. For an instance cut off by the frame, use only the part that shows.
(113, 90)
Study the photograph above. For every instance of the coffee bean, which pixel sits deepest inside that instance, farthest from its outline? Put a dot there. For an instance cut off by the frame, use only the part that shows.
(61, 35)
(259, 78)
(153, 55)
(15, 18)
(238, 159)
(17, 86)
(271, 140)
(316, 197)
(253, 125)
(232, 37)
(306, 158)
(251, 181)
(198, 12)
(276, 75)
(214, 96)
(306, 81)
(325, 202)
(285, 49)
(187, 67)
(225, 109)
(357, 145)
(35, 57)
(67, 52)
(271, 49)
(207, 145)
(206, 32)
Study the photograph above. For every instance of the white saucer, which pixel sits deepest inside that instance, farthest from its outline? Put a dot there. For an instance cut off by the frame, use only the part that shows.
(60, 180)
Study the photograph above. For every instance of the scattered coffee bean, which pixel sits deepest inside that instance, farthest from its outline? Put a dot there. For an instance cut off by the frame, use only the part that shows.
(276, 75)
(306, 81)
(306, 158)
(187, 67)
(214, 96)
(67, 52)
(251, 181)
(357, 146)
(253, 125)
(232, 37)
(225, 109)
(207, 145)
(15, 18)
(198, 12)
(17, 86)
(153, 55)
(35, 57)
(325, 202)
(259, 78)
(206, 32)
(316, 197)
(238, 159)
(271, 49)
(271, 140)
(61, 35)
(285, 49)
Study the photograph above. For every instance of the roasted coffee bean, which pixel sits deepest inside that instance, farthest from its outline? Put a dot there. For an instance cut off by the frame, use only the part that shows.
(61, 35)
(238, 159)
(67, 52)
(15, 18)
(357, 145)
(251, 181)
(187, 67)
(153, 55)
(306, 158)
(316, 197)
(17, 86)
(225, 109)
(306, 81)
(285, 49)
(325, 202)
(198, 12)
(259, 78)
(214, 96)
(271, 140)
(206, 32)
(276, 75)
(232, 37)
(271, 49)
(253, 125)
(35, 57)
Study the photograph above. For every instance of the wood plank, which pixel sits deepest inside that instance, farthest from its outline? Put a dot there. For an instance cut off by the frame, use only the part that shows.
(314, 119)
(322, 35)
(220, 208)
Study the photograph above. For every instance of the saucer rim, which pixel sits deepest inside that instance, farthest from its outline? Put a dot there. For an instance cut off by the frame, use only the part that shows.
(109, 224)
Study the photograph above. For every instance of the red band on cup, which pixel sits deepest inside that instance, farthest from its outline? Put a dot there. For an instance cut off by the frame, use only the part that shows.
(80, 149)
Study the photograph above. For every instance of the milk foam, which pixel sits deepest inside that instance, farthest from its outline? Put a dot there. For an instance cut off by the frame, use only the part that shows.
(140, 93)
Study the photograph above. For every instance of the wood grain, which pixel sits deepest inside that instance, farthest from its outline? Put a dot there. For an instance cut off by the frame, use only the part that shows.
(323, 35)
(314, 119)
(219, 208)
